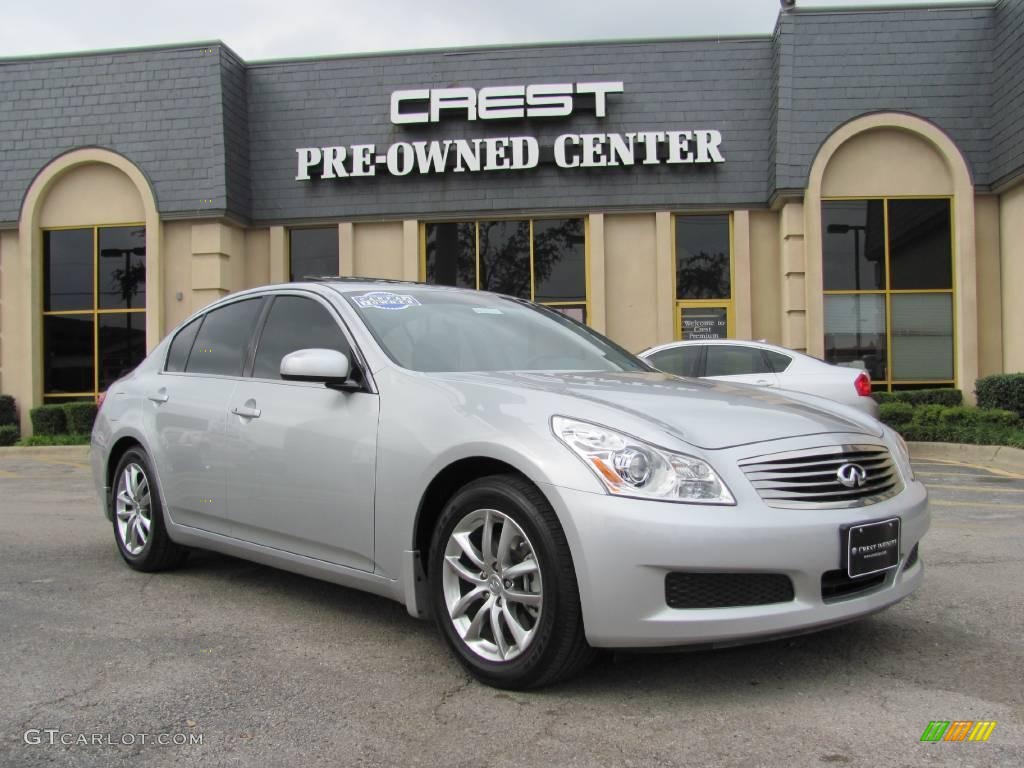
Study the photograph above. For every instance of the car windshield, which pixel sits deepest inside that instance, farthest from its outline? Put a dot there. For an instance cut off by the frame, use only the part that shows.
(440, 330)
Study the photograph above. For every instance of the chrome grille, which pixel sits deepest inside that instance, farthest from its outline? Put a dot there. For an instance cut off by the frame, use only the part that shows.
(810, 477)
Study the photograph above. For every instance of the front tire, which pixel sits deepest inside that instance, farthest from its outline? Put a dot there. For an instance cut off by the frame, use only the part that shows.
(503, 588)
(139, 528)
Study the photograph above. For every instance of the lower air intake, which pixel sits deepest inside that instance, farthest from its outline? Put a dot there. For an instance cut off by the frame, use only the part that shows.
(726, 590)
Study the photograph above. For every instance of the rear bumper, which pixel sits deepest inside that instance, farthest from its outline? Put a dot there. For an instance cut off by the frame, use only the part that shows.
(624, 549)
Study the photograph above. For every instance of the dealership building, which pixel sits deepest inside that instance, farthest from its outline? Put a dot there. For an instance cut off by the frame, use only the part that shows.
(851, 185)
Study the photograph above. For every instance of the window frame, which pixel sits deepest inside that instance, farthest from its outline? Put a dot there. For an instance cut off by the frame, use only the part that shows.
(94, 313)
(585, 304)
(729, 304)
(889, 384)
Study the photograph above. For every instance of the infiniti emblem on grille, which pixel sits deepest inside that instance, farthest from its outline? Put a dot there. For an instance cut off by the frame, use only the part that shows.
(852, 475)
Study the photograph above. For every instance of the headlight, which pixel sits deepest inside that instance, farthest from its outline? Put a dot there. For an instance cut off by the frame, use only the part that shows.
(630, 467)
(902, 451)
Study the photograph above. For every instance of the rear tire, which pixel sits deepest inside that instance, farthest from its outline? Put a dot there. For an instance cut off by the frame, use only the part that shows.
(138, 516)
(503, 587)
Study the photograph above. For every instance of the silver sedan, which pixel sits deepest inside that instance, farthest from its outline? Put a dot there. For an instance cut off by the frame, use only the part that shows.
(535, 489)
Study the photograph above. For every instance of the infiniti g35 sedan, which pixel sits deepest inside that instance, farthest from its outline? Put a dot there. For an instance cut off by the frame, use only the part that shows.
(536, 490)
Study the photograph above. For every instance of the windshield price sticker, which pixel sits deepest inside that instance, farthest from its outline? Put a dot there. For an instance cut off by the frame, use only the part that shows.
(385, 300)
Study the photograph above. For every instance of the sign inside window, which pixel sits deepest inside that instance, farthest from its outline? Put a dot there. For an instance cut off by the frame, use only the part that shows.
(702, 323)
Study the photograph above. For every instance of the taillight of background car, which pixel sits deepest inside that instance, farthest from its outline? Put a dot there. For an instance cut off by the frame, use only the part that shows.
(99, 400)
(863, 385)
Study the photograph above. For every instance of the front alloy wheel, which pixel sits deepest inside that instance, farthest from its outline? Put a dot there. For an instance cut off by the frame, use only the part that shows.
(502, 585)
(492, 585)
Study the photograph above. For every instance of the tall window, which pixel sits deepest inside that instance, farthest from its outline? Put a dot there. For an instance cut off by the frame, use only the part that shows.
(539, 259)
(704, 305)
(94, 309)
(888, 279)
(312, 252)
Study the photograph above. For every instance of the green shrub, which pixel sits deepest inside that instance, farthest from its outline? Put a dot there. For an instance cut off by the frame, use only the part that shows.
(8, 411)
(1005, 390)
(947, 397)
(49, 420)
(967, 416)
(9, 434)
(928, 414)
(80, 417)
(896, 415)
(54, 440)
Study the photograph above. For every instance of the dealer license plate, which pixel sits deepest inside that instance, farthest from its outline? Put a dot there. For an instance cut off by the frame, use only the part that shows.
(872, 547)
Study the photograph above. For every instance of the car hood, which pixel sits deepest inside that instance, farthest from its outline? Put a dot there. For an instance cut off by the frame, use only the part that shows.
(703, 413)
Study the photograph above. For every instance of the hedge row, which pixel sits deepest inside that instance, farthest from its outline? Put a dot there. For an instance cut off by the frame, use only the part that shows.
(1005, 390)
(9, 434)
(956, 424)
(947, 397)
(68, 418)
(8, 411)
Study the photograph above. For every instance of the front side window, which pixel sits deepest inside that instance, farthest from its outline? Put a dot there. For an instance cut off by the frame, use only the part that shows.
(223, 339)
(426, 330)
(94, 309)
(888, 279)
(681, 361)
(295, 323)
(539, 259)
(312, 252)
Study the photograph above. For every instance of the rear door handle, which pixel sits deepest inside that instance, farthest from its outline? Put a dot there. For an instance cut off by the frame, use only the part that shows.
(763, 383)
(160, 397)
(246, 412)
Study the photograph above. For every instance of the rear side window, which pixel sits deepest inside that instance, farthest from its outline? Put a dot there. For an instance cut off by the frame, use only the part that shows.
(295, 323)
(779, 361)
(221, 343)
(177, 355)
(734, 360)
(681, 361)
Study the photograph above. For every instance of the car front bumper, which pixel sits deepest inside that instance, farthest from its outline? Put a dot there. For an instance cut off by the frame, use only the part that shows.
(623, 549)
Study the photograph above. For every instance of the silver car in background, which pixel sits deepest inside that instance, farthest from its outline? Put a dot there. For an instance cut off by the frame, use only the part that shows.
(765, 365)
(509, 472)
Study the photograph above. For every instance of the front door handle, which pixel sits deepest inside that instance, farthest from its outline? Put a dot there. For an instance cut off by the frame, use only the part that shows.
(160, 397)
(246, 411)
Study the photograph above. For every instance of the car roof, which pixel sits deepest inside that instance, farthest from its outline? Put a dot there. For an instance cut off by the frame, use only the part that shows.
(735, 342)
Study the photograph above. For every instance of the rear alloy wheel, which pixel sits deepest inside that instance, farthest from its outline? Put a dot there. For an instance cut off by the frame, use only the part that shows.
(138, 517)
(503, 587)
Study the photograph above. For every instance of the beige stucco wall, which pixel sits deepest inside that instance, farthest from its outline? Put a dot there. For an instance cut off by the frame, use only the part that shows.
(990, 299)
(1011, 237)
(886, 161)
(631, 279)
(257, 257)
(13, 350)
(765, 268)
(177, 236)
(377, 249)
(89, 195)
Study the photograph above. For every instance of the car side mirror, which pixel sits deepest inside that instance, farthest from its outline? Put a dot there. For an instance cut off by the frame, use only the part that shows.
(326, 366)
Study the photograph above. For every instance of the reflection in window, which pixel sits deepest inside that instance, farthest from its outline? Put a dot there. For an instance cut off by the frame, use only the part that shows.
(853, 244)
(702, 257)
(94, 309)
(312, 252)
(504, 251)
(873, 250)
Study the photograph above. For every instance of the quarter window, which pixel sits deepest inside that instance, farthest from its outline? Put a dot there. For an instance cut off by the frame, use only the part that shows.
(539, 259)
(94, 309)
(223, 339)
(295, 323)
(888, 279)
(181, 346)
(778, 361)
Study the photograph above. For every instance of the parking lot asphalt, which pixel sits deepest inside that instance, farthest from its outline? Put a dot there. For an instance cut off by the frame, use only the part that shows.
(272, 669)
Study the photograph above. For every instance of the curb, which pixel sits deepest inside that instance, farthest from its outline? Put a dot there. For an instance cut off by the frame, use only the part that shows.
(10, 450)
(993, 456)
